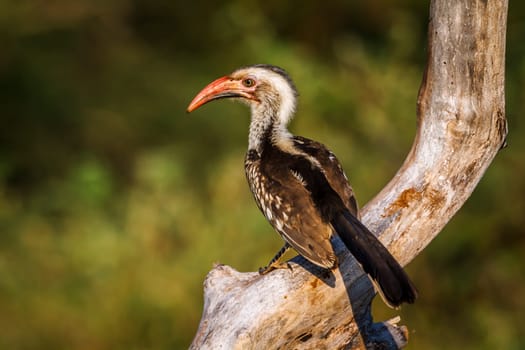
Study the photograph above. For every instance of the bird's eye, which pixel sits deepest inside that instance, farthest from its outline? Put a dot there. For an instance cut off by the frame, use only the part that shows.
(248, 82)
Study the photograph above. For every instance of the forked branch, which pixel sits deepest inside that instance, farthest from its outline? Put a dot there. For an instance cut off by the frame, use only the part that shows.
(461, 127)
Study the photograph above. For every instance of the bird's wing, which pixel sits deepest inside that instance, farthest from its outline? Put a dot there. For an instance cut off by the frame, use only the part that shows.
(392, 281)
(332, 169)
(295, 216)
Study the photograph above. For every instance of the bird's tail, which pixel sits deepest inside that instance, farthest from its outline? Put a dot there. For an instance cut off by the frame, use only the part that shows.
(392, 281)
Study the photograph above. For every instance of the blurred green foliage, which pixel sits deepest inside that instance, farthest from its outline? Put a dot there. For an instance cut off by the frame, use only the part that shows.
(114, 203)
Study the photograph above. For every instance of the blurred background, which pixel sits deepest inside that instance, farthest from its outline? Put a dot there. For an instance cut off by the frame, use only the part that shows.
(114, 203)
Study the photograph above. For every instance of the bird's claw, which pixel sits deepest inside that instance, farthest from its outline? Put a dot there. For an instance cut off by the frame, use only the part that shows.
(275, 266)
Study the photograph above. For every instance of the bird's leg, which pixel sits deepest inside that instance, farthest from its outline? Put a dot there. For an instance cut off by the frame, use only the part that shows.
(274, 263)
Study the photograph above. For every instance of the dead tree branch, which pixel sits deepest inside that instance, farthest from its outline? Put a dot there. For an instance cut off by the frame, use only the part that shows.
(461, 126)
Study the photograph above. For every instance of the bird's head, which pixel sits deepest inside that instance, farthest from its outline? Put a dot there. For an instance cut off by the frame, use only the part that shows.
(267, 89)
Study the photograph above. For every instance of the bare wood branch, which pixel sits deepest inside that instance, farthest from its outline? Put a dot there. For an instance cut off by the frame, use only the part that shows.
(461, 127)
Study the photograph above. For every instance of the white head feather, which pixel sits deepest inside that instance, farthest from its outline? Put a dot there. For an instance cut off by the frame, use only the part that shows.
(275, 105)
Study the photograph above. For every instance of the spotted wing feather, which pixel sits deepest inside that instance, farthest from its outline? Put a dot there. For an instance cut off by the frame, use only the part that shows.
(282, 197)
(332, 169)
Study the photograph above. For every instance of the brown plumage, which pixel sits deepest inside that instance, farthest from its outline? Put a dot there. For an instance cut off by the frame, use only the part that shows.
(299, 185)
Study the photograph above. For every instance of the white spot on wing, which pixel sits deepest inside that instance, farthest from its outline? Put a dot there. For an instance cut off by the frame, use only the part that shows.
(298, 176)
(268, 213)
(279, 225)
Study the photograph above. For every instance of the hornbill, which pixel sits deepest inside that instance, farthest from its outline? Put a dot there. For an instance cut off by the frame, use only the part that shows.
(299, 185)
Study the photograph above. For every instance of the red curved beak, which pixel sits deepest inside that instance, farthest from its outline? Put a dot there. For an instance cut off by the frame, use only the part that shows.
(221, 88)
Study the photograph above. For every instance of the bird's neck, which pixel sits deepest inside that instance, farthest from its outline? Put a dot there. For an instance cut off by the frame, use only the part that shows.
(267, 127)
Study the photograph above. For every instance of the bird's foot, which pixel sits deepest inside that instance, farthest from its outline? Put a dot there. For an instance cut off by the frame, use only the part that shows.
(274, 266)
(274, 263)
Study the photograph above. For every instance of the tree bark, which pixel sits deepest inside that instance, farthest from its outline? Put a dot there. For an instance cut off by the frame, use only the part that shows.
(461, 126)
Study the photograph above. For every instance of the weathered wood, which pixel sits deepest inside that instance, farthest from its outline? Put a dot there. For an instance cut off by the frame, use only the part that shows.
(461, 127)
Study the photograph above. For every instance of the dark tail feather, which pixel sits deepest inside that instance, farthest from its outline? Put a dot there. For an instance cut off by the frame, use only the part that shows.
(394, 285)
